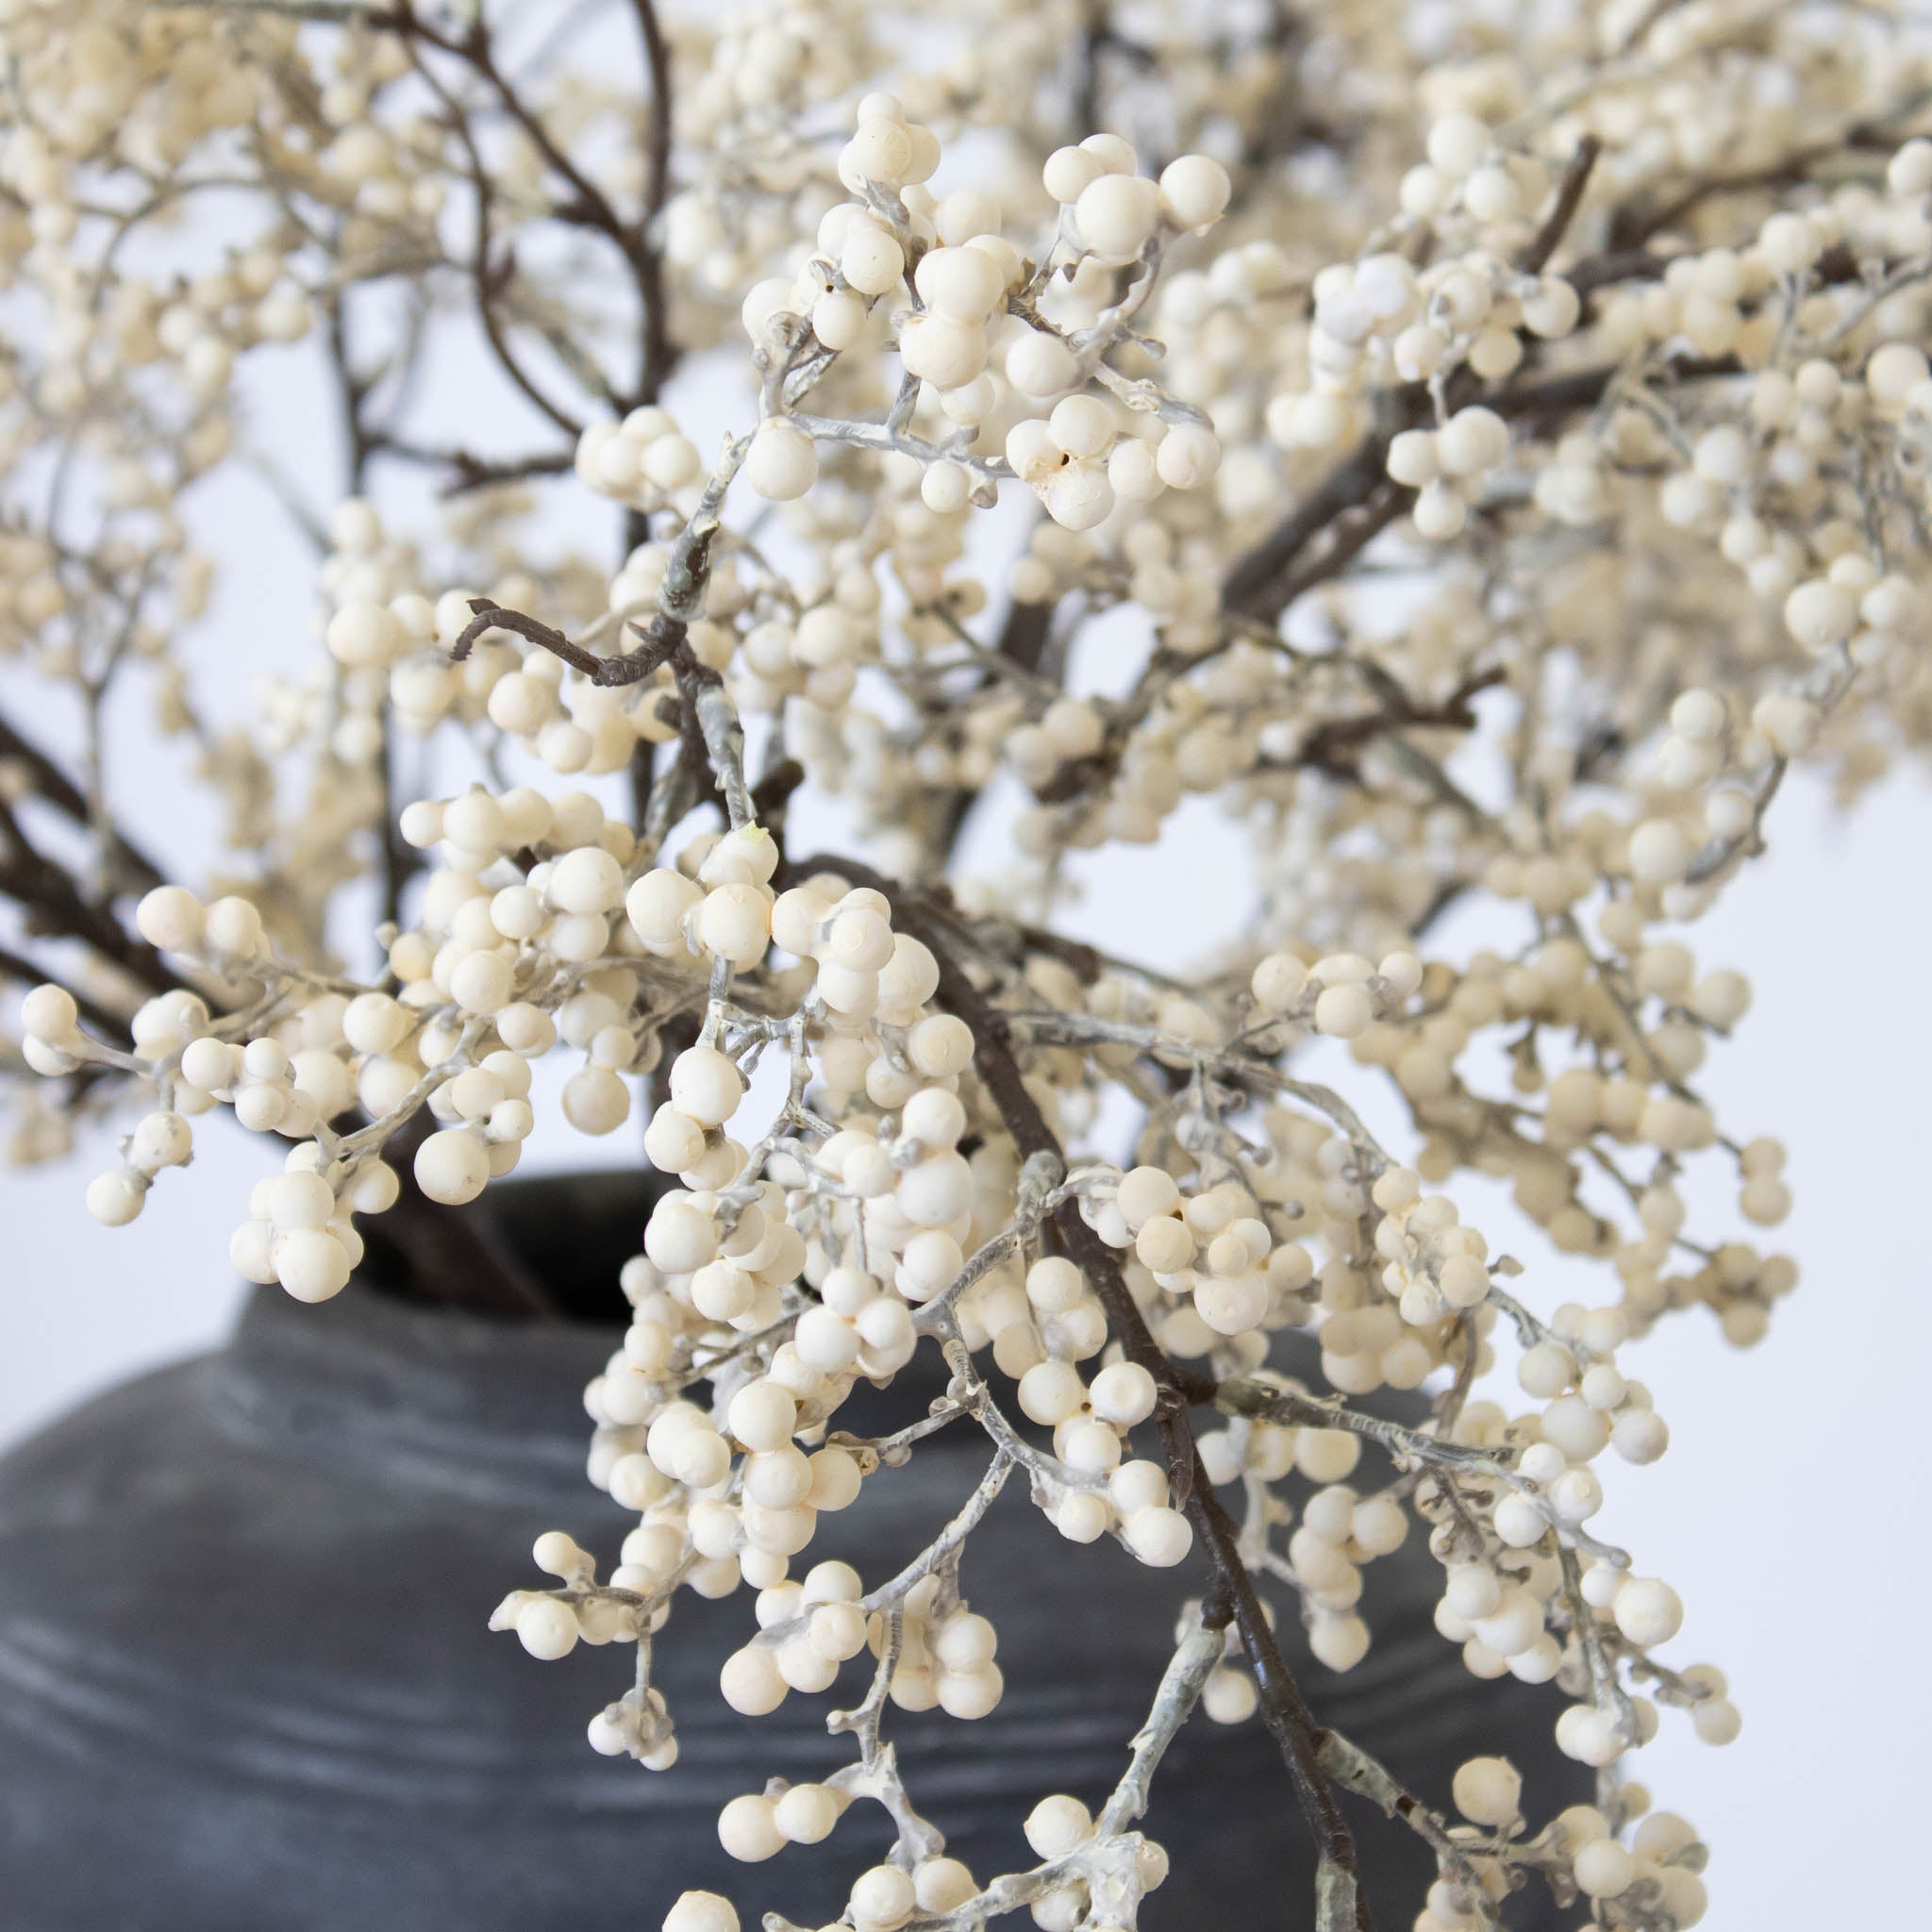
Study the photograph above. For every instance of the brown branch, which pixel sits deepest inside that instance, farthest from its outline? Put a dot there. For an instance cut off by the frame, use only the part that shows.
(667, 643)
(489, 277)
(591, 207)
(1353, 505)
(30, 972)
(1256, 585)
(53, 904)
(658, 353)
(468, 471)
(1284, 1707)
(1357, 495)
(1094, 35)
(1570, 192)
(351, 391)
(1327, 747)
(396, 861)
(587, 207)
(1876, 135)
(450, 1255)
(55, 788)
(664, 639)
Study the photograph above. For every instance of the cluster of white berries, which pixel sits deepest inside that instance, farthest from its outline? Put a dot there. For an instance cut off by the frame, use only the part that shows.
(1341, 994)
(1087, 454)
(944, 1657)
(551, 1623)
(643, 459)
(1467, 169)
(1379, 321)
(1090, 1423)
(1339, 1532)
(722, 913)
(1116, 212)
(1581, 1842)
(1082, 459)
(1434, 1266)
(808, 1629)
(1213, 1252)
(1653, 458)
(1446, 467)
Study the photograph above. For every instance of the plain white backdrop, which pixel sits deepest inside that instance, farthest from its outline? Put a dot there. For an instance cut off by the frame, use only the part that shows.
(1788, 1512)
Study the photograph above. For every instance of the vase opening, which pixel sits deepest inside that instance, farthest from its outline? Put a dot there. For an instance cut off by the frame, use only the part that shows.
(543, 1249)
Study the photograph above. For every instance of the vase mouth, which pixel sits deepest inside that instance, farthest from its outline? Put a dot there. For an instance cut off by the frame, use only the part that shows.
(391, 1391)
(383, 1382)
(563, 1237)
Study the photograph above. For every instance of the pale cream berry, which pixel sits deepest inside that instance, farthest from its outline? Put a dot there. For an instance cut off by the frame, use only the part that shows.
(115, 1198)
(1117, 215)
(158, 1140)
(781, 462)
(838, 318)
(1188, 456)
(748, 1830)
(1473, 440)
(1041, 365)
(1069, 172)
(1343, 1011)
(172, 919)
(962, 283)
(1821, 613)
(1339, 1639)
(1058, 1824)
(1603, 1869)
(1144, 1193)
(880, 150)
(363, 633)
(1648, 1611)
(1161, 1537)
(1123, 1394)
(806, 1814)
(1194, 190)
(234, 928)
(483, 982)
(547, 1628)
(586, 880)
(882, 1899)
(452, 1166)
(1413, 458)
(945, 488)
(870, 260)
(50, 1015)
(1081, 426)
(597, 1101)
(1080, 497)
(701, 1912)
(1488, 1790)
(706, 1086)
(1458, 143)
(942, 1884)
(1660, 853)
(1440, 511)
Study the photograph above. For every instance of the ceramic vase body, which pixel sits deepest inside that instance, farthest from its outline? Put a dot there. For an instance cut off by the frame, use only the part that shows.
(245, 1681)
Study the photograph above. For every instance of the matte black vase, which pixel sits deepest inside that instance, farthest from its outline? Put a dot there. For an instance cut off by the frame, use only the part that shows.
(245, 1681)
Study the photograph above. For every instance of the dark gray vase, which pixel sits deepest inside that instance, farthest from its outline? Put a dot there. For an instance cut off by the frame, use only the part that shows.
(245, 1682)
